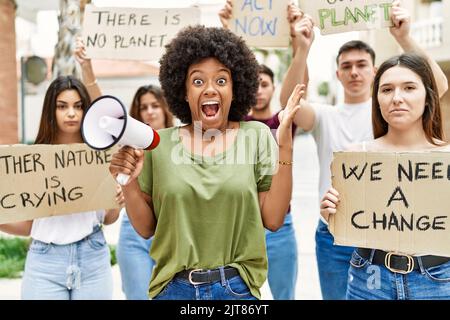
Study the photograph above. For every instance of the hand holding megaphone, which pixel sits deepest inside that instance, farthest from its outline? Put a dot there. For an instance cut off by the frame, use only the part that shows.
(106, 123)
(127, 162)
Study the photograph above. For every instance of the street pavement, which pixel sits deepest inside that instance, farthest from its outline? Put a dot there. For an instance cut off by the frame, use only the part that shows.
(305, 211)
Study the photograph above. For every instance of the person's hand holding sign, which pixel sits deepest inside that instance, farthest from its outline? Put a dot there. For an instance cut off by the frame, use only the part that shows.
(225, 14)
(87, 71)
(303, 34)
(80, 52)
(401, 19)
(294, 16)
(329, 203)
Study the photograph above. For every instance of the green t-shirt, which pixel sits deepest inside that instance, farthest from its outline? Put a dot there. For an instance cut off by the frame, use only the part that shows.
(207, 209)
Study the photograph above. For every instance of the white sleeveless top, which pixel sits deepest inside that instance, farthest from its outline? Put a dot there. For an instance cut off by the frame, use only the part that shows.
(66, 229)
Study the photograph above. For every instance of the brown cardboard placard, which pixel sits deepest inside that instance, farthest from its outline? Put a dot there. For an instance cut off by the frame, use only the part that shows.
(262, 23)
(393, 201)
(133, 33)
(335, 16)
(46, 180)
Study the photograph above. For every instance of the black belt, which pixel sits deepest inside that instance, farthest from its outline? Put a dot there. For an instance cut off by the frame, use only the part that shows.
(401, 263)
(200, 276)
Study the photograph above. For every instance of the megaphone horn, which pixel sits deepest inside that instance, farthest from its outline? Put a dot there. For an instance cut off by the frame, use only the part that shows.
(106, 123)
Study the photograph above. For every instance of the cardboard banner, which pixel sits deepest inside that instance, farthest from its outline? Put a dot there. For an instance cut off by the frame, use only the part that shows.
(393, 201)
(335, 16)
(47, 180)
(262, 23)
(133, 33)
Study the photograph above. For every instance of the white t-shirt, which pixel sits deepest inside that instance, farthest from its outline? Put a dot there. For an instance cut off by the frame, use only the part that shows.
(66, 229)
(335, 128)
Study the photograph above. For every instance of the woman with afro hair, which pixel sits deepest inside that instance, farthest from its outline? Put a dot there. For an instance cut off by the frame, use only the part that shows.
(212, 185)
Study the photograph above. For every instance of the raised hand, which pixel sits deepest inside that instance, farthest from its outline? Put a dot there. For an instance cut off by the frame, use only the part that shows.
(293, 105)
(225, 14)
(401, 19)
(294, 14)
(80, 52)
(286, 116)
(304, 32)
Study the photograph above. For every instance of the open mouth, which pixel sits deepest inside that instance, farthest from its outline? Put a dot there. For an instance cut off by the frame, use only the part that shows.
(210, 108)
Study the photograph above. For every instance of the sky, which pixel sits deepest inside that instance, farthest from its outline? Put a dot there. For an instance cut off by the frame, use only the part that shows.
(148, 3)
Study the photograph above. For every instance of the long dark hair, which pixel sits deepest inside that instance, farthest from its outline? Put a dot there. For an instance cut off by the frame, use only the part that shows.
(431, 118)
(157, 92)
(48, 127)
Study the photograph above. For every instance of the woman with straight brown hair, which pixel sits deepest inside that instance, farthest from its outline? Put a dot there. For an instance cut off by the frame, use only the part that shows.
(406, 116)
(431, 117)
(139, 110)
(68, 258)
(49, 132)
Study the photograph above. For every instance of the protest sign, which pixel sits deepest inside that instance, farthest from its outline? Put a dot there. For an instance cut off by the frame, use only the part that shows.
(133, 33)
(393, 201)
(46, 180)
(334, 16)
(262, 23)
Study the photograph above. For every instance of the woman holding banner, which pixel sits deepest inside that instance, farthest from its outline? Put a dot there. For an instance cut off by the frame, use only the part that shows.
(68, 258)
(148, 106)
(209, 189)
(406, 116)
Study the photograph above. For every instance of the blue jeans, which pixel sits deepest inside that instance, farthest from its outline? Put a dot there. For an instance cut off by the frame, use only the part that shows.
(333, 262)
(368, 281)
(76, 271)
(282, 255)
(134, 261)
(224, 289)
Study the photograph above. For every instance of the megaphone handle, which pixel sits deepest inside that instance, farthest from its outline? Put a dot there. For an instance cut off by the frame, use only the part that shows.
(122, 179)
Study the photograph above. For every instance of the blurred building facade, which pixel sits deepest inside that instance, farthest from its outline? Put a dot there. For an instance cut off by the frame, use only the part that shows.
(8, 74)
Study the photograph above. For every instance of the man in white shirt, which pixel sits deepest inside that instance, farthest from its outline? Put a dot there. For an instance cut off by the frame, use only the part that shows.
(334, 128)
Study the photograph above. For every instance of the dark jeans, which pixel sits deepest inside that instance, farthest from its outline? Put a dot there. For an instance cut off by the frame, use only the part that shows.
(224, 289)
(333, 262)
